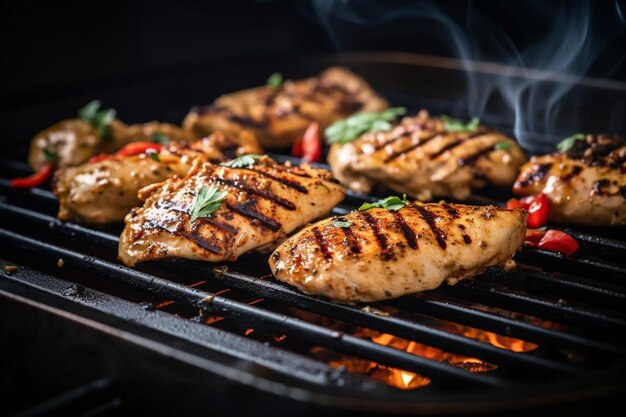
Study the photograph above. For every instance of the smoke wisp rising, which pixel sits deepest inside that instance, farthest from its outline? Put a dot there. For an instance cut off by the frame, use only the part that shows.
(571, 39)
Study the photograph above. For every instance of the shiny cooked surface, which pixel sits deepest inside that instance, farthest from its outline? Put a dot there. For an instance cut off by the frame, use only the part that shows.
(105, 191)
(420, 158)
(265, 201)
(74, 141)
(386, 254)
(280, 116)
(586, 185)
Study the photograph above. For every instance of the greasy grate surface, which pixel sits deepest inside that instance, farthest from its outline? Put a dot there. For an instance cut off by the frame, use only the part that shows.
(571, 308)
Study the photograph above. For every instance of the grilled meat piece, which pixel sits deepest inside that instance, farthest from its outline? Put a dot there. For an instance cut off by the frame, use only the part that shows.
(586, 185)
(74, 141)
(105, 191)
(420, 158)
(385, 254)
(265, 201)
(280, 116)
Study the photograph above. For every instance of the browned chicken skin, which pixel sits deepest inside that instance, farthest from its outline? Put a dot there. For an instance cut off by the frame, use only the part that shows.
(586, 185)
(280, 116)
(74, 141)
(385, 254)
(105, 191)
(420, 158)
(264, 202)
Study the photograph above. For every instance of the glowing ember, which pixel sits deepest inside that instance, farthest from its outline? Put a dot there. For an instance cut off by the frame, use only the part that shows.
(503, 342)
(402, 379)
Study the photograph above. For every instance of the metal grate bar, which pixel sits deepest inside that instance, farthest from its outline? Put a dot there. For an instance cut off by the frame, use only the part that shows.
(250, 316)
(396, 325)
(563, 312)
(459, 313)
(589, 291)
(406, 329)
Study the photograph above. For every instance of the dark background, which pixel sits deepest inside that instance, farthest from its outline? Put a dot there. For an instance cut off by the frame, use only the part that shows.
(153, 59)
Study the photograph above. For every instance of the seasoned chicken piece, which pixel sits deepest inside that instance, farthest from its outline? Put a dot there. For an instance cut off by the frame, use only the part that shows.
(72, 142)
(586, 185)
(420, 158)
(105, 191)
(380, 254)
(264, 201)
(280, 115)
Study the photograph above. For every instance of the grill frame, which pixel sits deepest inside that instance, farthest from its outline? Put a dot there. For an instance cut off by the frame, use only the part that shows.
(445, 303)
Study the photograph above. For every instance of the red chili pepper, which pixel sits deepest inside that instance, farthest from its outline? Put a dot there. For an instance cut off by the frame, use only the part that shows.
(559, 241)
(514, 203)
(533, 236)
(38, 178)
(538, 211)
(136, 148)
(537, 206)
(101, 157)
(296, 148)
(311, 144)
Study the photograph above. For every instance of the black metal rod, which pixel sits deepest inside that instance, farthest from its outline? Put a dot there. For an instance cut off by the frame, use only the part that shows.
(247, 316)
(398, 326)
(562, 312)
(283, 294)
(466, 315)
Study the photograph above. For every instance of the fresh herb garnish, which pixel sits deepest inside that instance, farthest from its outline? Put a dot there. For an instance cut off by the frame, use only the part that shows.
(392, 203)
(455, 125)
(567, 143)
(50, 156)
(503, 145)
(275, 81)
(158, 137)
(99, 119)
(154, 155)
(209, 199)
(243, 161)
(349, 129)
(341, 222)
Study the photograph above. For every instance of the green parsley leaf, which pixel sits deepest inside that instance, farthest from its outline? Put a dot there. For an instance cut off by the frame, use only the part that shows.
(392, 203)
(275, 81)
(154, 155)
(50, 156)
(102, 120)
(503, 145)
(88, 113)
(455, 125)
(209, 199)
(567, 143)
(242, 161)
(341, 222)
(99, 119)
(346, 130)
(158, 137)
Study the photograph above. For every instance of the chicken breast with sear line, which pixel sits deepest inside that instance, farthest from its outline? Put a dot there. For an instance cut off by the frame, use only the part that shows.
(379, 254)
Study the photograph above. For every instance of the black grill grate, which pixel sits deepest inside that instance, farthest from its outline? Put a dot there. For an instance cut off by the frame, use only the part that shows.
(584, 295)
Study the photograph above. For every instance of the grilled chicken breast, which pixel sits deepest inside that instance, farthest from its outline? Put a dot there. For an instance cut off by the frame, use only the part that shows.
(105, 191)
(264, 202)
(423, 160)
(586, 185)
(384, 254)
(73, 141)
(279, 116)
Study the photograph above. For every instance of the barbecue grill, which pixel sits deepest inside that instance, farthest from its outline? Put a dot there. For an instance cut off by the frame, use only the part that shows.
(84, 335)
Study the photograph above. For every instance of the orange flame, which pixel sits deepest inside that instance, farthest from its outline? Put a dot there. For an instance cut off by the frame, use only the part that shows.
(408, 380)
